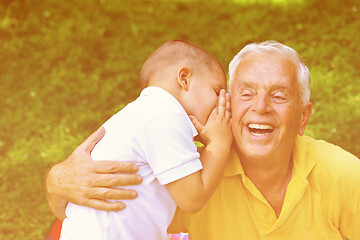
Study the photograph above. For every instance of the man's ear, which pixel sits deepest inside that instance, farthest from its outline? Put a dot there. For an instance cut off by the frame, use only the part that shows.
(183, 77)
(305, 116)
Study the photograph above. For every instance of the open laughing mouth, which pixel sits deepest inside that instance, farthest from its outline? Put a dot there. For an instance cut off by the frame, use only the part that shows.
(260, 129)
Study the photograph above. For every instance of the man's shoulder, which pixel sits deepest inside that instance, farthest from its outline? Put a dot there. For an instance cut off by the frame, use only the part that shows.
(330, 158)
(324, 150)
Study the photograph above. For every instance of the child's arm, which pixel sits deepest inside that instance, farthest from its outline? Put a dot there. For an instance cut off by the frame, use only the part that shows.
(192, 192)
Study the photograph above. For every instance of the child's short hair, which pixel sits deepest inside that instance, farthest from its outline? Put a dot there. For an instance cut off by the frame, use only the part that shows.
(175, 52)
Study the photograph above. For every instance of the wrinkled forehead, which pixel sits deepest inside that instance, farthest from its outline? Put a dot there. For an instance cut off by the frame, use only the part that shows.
(264, 69)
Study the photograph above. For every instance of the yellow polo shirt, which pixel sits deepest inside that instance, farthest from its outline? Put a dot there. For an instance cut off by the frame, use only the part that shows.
(322, 201)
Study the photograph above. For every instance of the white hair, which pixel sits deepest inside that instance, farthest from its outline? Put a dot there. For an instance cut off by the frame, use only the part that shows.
(278, 48)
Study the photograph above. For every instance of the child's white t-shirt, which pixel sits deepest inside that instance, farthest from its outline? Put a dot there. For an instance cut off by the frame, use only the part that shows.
(154, 132)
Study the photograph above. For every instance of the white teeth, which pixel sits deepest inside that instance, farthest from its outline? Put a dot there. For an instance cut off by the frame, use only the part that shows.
(260, 126)
(258, 134)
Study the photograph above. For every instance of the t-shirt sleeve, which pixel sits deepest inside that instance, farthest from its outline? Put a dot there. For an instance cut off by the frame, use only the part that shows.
(167, 144)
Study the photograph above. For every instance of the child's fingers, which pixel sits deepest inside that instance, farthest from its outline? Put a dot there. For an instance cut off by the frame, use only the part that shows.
(199, 127)
(222, 103)
(228, 108)
(213, 113)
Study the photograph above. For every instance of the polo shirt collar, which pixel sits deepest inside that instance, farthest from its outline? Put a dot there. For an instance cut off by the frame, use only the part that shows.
(302, 164)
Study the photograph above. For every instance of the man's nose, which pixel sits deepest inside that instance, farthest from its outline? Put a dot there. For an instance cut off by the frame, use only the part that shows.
(262, 104)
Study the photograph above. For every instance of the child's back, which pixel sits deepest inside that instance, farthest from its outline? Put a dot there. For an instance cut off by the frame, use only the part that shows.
(139, 132)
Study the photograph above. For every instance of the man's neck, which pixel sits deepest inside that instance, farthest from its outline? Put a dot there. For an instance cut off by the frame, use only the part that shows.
(273, 173)
(271, 177)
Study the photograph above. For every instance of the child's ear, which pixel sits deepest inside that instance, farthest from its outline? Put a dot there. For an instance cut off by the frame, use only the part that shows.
(183, 77)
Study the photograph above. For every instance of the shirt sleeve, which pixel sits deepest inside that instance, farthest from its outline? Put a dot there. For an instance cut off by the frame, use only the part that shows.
(350, 200)
(167, 144)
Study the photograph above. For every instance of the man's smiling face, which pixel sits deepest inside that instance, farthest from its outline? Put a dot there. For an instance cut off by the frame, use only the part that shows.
(266, 109)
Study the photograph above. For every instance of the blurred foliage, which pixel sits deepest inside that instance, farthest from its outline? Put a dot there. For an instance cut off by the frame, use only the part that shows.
(65, 67)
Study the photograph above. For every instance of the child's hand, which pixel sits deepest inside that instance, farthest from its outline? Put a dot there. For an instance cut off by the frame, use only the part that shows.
(218, 126)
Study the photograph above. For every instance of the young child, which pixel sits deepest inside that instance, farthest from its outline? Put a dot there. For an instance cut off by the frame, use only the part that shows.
(155, 131)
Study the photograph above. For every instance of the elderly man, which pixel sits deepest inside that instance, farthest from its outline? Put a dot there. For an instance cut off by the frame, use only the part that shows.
(278, 184)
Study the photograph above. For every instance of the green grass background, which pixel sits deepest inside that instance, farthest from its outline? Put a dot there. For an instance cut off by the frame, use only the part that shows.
(66, 66)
